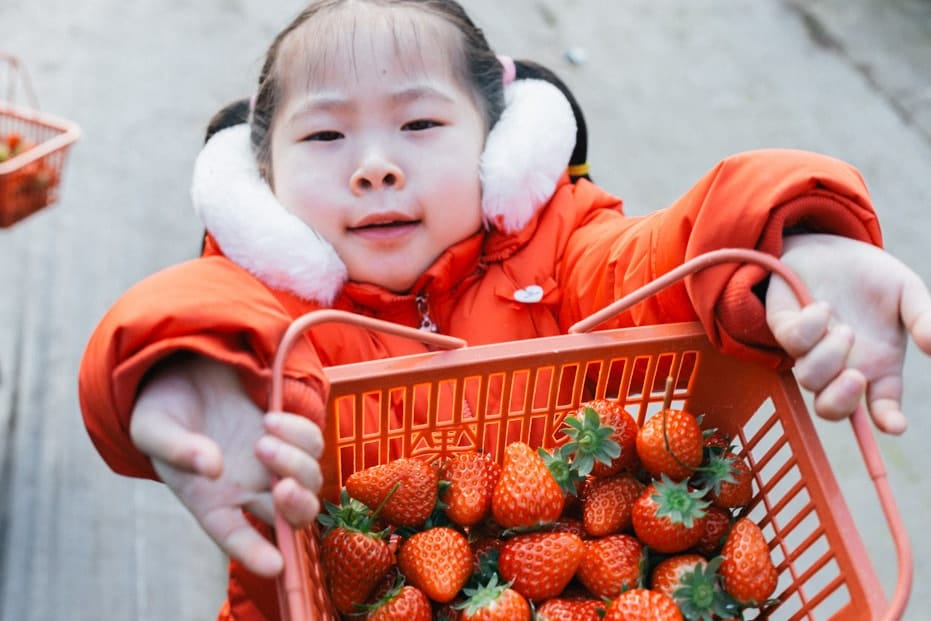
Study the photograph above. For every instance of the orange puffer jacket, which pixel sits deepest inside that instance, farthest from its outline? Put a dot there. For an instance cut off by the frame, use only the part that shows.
(579, 248)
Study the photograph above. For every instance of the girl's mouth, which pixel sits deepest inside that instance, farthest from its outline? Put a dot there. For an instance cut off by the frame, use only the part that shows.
(384, 228)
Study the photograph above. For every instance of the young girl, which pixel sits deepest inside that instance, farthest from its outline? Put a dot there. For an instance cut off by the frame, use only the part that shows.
(394, 167)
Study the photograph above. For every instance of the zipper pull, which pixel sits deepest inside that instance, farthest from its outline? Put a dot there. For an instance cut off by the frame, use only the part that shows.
(426, 323)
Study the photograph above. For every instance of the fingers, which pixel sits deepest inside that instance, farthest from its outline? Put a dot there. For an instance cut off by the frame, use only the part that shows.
(798, 331)
(291, 450)
(840, 397)
(298, 505)
(296, 430)
(237, 538)
(884, 398)
(165, 439)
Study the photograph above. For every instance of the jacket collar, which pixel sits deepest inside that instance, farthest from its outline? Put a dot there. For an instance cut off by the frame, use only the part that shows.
(520, 169)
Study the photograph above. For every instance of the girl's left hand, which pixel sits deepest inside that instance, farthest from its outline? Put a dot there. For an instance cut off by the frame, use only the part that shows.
(851, 342)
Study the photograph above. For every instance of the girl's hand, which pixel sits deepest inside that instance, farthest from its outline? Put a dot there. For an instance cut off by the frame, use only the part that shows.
(852, 341)
(218, 452)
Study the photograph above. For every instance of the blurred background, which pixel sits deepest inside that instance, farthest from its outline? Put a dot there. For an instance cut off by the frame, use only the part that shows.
(668, 88)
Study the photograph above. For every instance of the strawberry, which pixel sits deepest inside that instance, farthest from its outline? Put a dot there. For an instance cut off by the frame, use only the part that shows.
(403, 492)
(692, 582)
(540, 565)
(717, 523)
(438, 561)
(670, 443)
(607, 504)
(526, 493)
(571, 609)
(668, 516)
(716, 441)
(401, 603)
(355, 560)
(602, 438)
(494, 602)
(642, 605)
(610, 565)
(747, 571)
(730, 481)
(471, 479)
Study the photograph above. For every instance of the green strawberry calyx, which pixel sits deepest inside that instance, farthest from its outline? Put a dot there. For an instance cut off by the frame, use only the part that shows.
(679, 503)
(589, 441)
(483, 595)
(701, 597)
(349, 514)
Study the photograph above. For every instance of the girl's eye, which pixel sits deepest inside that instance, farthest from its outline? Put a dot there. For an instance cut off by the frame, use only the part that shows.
(420, 124)
(324, 136)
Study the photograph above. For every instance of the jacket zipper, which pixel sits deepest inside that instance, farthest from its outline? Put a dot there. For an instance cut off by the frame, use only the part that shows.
(426, 322)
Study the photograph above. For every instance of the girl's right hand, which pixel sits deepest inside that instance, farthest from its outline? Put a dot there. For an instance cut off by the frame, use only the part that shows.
(218, 452)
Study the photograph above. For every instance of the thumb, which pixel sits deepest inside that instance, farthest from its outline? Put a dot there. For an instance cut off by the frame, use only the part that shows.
(916, 312)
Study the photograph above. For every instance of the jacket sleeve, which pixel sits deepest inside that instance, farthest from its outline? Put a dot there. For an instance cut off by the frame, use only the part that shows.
(207, 306)
(749, 200)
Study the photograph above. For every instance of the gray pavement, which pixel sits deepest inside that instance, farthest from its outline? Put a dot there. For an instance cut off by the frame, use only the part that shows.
(668, 88)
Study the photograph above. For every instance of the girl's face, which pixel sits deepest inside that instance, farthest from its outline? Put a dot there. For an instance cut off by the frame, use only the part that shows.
(376, 146)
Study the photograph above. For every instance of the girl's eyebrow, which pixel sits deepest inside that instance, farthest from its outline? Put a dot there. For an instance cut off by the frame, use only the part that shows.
(328, 101)
(421, 91)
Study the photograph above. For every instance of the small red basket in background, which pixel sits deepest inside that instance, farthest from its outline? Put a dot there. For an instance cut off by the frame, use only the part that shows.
(33, 149)
(526, 388)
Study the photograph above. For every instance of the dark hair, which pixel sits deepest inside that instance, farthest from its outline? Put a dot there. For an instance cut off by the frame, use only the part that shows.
(233, 113)
(480, 69)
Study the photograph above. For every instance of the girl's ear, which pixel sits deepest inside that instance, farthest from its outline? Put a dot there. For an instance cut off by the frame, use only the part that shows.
(526, 153)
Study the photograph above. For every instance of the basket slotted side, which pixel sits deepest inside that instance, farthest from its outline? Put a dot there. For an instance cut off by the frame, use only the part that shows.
(431, 405)
(31, 181)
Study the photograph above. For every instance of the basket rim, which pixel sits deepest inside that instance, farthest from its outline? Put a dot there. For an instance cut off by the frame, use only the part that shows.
(69, 132)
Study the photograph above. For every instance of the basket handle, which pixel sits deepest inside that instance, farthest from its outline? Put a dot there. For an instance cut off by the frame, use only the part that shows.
(294, 598)
(18, 69)
(862, 429)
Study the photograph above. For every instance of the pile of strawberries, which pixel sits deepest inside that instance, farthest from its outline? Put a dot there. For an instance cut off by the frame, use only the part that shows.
(621, 522)
(31, 181)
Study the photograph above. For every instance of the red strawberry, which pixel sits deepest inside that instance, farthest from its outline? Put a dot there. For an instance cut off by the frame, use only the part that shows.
(747, 571)
(610, 565)
(669, 517)
(670, 443)
(717, 523)
(540, 565)
(471, 478)
(403, 492)
(607, 504)
(602, 438)
(494, 602)
(692, 582)
(643, 605)
(568, 609)
(355, 560)
(732, 483)
(437, 561)
(526, 493)
(402, 603)
(668, 573)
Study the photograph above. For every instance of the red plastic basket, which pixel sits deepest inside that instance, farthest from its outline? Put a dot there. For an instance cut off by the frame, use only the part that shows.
(30, 180)
(431, 405)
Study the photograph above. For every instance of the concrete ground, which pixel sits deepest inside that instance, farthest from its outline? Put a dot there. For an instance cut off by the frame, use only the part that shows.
(668, 88)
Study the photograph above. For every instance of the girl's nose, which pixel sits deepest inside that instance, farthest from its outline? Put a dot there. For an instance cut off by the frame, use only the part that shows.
(375, 173)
